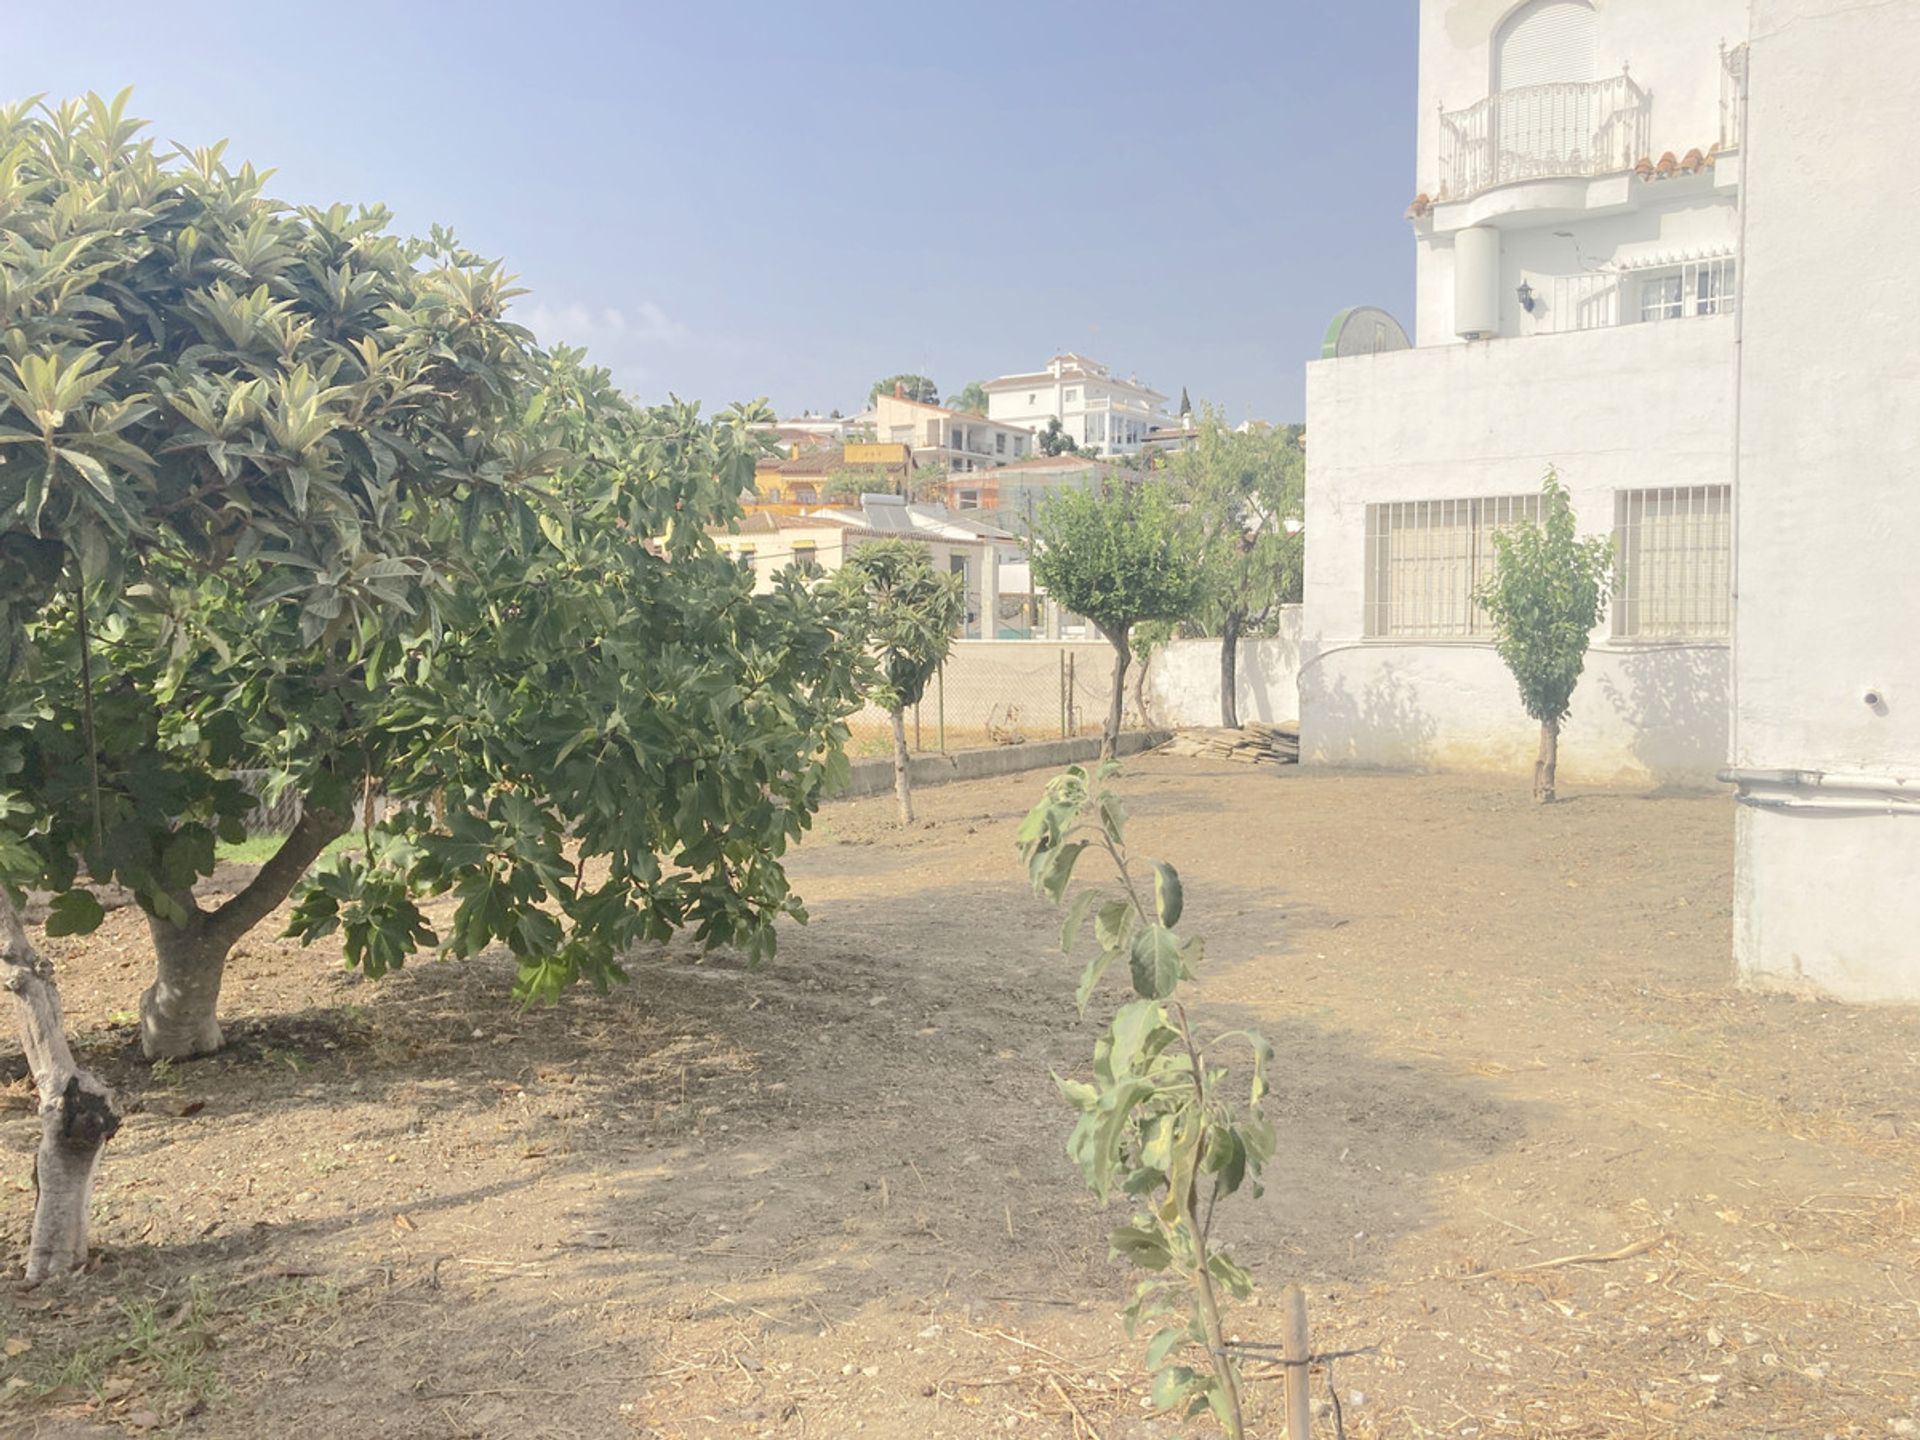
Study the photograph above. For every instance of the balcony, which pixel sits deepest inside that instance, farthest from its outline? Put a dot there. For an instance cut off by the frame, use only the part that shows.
(1672, 288)
(1544, 132)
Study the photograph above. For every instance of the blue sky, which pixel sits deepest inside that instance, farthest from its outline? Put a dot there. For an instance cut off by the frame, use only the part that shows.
(784, 199)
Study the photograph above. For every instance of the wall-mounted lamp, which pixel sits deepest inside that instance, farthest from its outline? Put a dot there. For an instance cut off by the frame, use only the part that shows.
(1526, 297)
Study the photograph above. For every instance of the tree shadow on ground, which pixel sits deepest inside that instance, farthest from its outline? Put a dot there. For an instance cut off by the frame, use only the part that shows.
(864, 1128)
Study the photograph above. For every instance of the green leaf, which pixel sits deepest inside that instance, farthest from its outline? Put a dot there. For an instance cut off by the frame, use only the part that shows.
(1138, 1031)
(1258, 1139)
(1097, 1139)
(1076, 916)
(1218, 1402)
(1058, 869)
(1110, 924)
(1226, 1158)
(75, 913)
(1171, 1385)
(1164, 1344)
(1143, 1247)
(1167, 897)
(1155, 959)
(1090, 978)
(1078, 1093)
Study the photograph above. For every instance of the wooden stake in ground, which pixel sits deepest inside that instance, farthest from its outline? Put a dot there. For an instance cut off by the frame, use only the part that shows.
(1298, 1357)
(77, 1113)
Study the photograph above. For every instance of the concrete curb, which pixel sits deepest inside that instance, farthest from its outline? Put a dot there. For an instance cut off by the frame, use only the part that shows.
(875, 777)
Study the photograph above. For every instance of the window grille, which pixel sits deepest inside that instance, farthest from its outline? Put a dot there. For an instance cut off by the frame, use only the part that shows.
(1426, 558)
(1673, 563)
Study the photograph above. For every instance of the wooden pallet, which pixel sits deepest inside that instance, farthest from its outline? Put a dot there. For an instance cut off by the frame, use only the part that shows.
(1252, 744)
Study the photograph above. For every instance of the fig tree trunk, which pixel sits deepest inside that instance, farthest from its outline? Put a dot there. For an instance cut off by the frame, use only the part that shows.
(902, 777)
(1116, 707)
(77, 1113)
(1549, 761)
(1230, 668)
(1140, 688)
(179, 1014)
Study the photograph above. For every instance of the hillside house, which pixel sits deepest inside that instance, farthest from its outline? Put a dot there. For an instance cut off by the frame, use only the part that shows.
(1094, 406)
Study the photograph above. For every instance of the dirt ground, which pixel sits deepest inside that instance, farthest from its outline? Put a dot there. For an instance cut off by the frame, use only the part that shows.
(829, 1197)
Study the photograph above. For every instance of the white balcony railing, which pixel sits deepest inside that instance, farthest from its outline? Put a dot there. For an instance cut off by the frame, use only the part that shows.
(1541, 132)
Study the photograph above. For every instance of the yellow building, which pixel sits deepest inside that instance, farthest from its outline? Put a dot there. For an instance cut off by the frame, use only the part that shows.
(798, 480)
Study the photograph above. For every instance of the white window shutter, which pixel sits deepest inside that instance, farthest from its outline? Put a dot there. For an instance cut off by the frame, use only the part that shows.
(1549, 42)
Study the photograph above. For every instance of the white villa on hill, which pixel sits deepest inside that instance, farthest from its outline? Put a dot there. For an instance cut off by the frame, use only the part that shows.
(1094, 406)
(1628, 242)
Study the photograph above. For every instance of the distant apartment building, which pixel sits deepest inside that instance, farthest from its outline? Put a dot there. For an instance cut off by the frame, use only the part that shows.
(767, 542)
(1094, 406)
(950, 439)
(1012, 496)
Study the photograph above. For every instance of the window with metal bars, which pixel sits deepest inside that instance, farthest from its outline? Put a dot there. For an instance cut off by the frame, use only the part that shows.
(1673, 563)
(1425, 560)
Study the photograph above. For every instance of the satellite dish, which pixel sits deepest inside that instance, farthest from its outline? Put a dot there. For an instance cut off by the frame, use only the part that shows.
(1363, 330)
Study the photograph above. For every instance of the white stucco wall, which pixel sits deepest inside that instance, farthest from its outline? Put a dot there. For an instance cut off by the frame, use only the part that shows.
(1618, 409)
(1183, 678)
(1828, 504)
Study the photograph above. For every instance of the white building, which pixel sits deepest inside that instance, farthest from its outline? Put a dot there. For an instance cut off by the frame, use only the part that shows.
(954, 440)
(821, 540)
(1826, 742)
(1093, 405)
(1576, 281)
(1667, 249)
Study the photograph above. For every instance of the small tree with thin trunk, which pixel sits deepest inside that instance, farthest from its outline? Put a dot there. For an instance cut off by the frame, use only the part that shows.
(1237, 490)
(1115, 557)
(906, 612)
(1547, 592)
